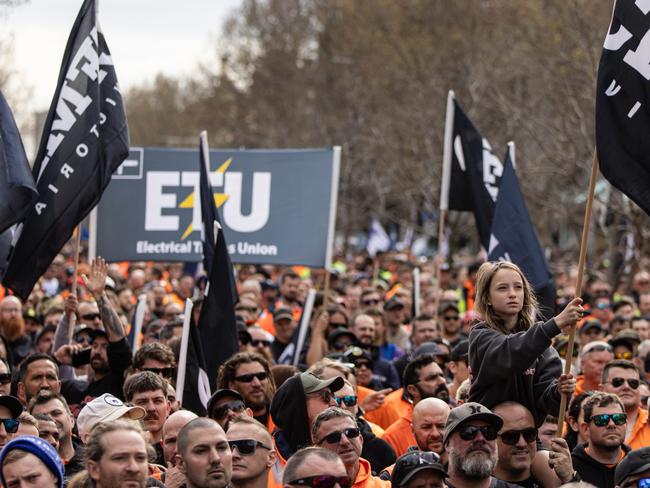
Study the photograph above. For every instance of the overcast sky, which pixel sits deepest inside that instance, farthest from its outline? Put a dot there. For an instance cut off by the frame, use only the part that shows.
(145, 37)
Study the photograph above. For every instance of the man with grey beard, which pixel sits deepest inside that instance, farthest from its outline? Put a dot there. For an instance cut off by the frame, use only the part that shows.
(470, 441)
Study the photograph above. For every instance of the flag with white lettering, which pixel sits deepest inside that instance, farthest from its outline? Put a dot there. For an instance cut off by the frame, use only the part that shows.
(513, 239)
(471, 172)
(623, 102)
(84, 140)
(217, 322)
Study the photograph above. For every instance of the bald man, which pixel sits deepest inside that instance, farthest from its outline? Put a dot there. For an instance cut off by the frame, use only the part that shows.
(174, 423)
(429, 418)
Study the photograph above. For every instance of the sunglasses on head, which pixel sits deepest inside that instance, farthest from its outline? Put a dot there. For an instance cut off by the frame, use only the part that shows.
(602, 420)
(91, 316)
(469, 432)
(418, 458)
(623, 355)
(347, 400)
(335, 437)
(5, 378)
(260, 342)
(247, 378)
(511, 437)
(323, 481)
(598, 349)
(220, 412)
(632, 382)
(11, 425)
(164, 372)
(247, 447)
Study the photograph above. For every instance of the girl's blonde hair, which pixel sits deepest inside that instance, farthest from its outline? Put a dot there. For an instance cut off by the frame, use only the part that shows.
(481, 304)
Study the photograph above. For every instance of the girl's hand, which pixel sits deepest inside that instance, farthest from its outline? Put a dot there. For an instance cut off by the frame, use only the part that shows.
(570, 315)
(566, 384)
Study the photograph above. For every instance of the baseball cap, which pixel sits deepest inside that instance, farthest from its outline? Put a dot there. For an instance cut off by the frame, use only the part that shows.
(595, 346)
(219, 394)
(469, 411)
(39, 448)
(447, 306)
(312, 383)
(628, 337)
(282, 313)
(393, 304)
(331, 339)
(635, 462)
(429, 348)
(460, 351)
(13, 404)
(591, 324)
(105, 408)
(411, 463)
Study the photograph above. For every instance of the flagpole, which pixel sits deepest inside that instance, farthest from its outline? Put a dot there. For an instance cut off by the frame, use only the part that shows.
(304, 324)
(581, 268)
(139, 320)
(182, 360)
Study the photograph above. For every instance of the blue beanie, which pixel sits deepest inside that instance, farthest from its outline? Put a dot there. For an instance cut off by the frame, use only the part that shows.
(39, 448)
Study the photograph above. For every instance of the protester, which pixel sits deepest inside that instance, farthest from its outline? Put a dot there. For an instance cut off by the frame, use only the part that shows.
(252, 452)
(174, 423)
(418, 469)
(593, 359)
(10, 410)
(30, 461)
(633, 468)
(104, 408)
(315, 465)
(224, 405)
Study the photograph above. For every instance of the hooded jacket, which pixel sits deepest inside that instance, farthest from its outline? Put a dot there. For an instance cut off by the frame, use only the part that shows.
(520, 367)
(289, 414)
(592, 471)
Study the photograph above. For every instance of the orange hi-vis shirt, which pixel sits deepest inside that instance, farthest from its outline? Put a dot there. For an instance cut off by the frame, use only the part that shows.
(640, 435)
(365, 479)
(400, 435)
(394, 408)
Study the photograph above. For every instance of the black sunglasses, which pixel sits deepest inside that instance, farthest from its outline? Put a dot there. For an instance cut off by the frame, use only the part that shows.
(164, 372)
(451, 317)
(323, 481)
(347, 400)
(511, 437)
(341, 346)
(603, 419)
(335, 437)
(632, 382)
(91, 316)
(11, 425)
(247, 378)
(469, 432)
(371, 301)
(260, 342)
(221, 411)
(5, 378)
(247, 447)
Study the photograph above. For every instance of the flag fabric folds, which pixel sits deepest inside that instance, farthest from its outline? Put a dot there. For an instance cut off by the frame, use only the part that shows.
(217, 323)
(622, 102)
(85, 139)
(196, 388)
(513, 238)
(378, 239)
(17, 187)
(471, 171)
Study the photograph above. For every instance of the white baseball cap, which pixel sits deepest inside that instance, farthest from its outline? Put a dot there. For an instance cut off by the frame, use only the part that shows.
(105, 408)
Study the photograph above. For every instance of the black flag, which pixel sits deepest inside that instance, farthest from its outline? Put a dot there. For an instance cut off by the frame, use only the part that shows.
(471, 171)
(217, 323)
(84, 140)
(196, 390)
(622, 102)
(513, 239)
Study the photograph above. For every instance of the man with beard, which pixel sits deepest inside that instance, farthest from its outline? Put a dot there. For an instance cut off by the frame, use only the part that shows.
(383, 372)
(604, 427)
(149, 391)
(252, 453)
(423, 378)
(517, 447)
(289, 289)
(470, 442)
(12, 327)
(36, 373)
(622, 378)
(249, 374)
(337, 430)
(116, 456)
(204, 455)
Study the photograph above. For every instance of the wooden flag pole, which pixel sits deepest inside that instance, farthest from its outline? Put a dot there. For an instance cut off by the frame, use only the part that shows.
(581, 269)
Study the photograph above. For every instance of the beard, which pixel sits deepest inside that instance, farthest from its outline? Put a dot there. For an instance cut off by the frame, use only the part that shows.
(13, 328)
(99, 365)
(475, 467)
(441, 392)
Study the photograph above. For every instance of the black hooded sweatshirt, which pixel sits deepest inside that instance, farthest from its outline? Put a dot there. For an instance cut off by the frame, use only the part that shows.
(592, 471)
(289, 414)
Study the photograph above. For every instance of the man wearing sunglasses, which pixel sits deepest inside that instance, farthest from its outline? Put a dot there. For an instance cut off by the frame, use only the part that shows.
(604, 428)
(224, 405)
(470, 442)
(10, 410)
(517, 447)
(336, 429)
(157, 358)
(622, 378)
(315, 467)
(252, 453)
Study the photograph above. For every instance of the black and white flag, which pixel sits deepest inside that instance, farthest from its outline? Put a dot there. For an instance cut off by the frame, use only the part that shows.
(84, 140)
(622, 102)
(471, 173)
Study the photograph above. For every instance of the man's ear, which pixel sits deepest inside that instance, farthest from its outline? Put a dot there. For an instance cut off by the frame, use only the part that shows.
(20, 392)
(411, 389)
(93, 469)
(270, 461)
(249, 412)
(178, 461)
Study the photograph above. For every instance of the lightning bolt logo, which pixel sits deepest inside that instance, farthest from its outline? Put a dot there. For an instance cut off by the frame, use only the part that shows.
(219, 199)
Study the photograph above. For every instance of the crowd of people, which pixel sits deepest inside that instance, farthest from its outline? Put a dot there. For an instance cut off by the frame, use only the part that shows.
(457, 387)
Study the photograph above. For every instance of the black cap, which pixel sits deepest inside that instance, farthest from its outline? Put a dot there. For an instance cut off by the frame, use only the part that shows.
(429, 348)
(242, 331)
(282, 313)
(635, 462)
(627, 337)
(591, 324)
(460, 351)
(468, 411)
(218, 395)
(331, 339)
(30, 313)
(13, 404)
(355, 354)
(95, 333)
(393, 304)
(411, 463)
